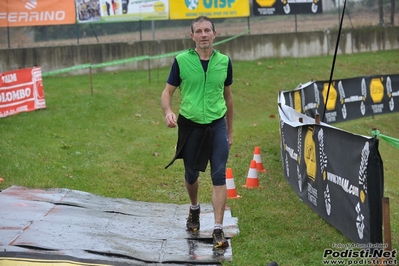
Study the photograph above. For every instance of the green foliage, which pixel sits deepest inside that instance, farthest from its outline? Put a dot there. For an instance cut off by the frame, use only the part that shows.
(114, 143)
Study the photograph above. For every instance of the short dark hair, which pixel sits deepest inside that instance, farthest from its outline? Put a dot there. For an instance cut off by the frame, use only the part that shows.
(199, 19)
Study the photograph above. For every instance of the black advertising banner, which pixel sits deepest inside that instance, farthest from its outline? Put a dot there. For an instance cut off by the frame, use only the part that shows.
(286, 7)
(347, 98)
(336, 173)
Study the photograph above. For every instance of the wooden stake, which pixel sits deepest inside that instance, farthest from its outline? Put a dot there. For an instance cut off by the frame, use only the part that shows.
(317, 119)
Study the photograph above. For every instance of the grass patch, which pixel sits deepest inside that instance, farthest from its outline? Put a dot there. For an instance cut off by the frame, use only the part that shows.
(114, 143)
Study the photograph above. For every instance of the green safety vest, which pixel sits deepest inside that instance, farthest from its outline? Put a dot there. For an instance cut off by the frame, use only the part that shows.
(202, 93)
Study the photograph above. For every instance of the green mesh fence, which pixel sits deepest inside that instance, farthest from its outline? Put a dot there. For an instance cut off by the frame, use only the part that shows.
(129, 60)
(393, 141)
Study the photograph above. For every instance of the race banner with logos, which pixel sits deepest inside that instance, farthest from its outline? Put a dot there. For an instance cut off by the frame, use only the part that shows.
(286, 7)
(121, 10)
(190, 9)
(20, 13)
(348, 99)
(21, 91)
(339, 175)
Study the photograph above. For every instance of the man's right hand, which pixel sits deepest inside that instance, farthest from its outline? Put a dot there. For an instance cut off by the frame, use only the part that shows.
(170, 120)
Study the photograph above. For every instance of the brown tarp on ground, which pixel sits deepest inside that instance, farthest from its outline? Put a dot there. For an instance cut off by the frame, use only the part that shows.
(63, 224)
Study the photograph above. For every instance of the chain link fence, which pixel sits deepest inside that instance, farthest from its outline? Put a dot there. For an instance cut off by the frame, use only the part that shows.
(358, 13)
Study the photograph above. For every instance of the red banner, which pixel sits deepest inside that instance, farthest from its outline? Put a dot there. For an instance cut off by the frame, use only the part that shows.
(18, 13)
(21, 91)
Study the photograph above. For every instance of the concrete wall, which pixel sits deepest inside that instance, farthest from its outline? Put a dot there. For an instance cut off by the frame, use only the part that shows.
(244, 48)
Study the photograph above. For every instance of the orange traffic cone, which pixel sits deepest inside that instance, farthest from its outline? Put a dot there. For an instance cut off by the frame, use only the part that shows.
(231, 187)
(258, 159)
(252, 179)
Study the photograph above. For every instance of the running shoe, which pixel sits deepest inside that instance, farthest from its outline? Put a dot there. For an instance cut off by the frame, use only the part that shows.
(193, 220)
(219, 241)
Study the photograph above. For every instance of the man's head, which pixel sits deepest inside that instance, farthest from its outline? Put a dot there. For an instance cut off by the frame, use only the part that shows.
(200, 19)
(203, 32)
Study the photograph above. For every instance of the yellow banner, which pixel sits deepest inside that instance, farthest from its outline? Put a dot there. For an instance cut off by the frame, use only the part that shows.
(190, 9)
